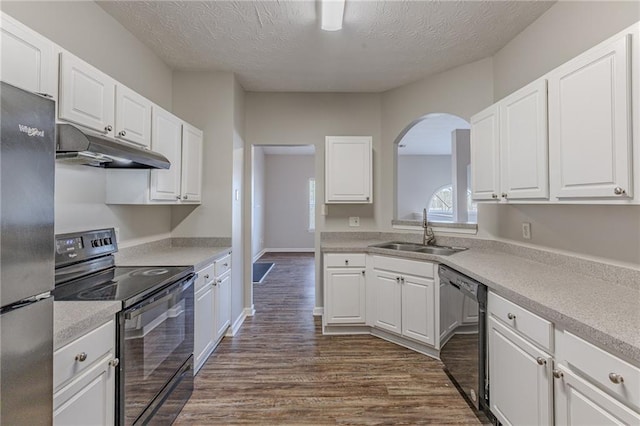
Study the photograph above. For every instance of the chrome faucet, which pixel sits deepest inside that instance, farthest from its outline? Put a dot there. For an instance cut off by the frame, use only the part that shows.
(428, 238)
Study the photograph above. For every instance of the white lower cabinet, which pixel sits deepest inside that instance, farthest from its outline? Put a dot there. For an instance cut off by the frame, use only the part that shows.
(84, 379)
(222, 299)
(404, 298)
(344, 289)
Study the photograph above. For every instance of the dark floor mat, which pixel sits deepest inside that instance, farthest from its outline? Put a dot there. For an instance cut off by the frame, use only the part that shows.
(260, 270)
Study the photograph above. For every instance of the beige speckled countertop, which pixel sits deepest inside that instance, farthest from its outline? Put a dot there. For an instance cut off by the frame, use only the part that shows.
(199, 257)
(73, 319)
(606, 312)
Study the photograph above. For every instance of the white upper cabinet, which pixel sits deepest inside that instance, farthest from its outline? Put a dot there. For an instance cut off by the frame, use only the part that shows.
(485, 154)
(348, 169)
(133, 117)
(167, 140)
(524, 163)
(86, 95)
(191, 187)
(590, 124)
(28, 59)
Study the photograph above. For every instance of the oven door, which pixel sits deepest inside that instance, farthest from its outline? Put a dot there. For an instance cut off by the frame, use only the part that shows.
(155, 340)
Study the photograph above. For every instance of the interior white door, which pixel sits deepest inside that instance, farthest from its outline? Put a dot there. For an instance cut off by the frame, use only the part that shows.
(388, 302)
(485, 154)
(191, 188)
(345, 296)
(524, 145)
(166, 138)
(223, 304)
(204, 325)
(348, 171)
(87, 95)
(590, 124)
(133, 117)
(28, 59)
(418, 308)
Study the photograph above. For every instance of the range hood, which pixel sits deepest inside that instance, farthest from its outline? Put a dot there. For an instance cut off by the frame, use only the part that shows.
(78, 147)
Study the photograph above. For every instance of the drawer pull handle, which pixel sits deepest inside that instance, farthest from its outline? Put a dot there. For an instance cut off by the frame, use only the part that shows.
(616, 378)
(558, 374)
(81, 357)
(114, 362)
(541, 361)
(511, 316)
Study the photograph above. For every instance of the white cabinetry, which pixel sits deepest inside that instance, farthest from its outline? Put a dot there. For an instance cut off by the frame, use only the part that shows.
(84, 379)
(403, 298)
(348, 169)
(590, 123)
(133, 116)
(344, 289)
(519, 370)
(212, 308)
(509, 146)
(191, 176)
(28, 59)
(167, 140)
(86, 95)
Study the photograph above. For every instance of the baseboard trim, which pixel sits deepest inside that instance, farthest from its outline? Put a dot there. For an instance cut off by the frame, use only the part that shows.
(233, 330)
(259, 255)
(249, 312)
(290, 250)
(318, 311)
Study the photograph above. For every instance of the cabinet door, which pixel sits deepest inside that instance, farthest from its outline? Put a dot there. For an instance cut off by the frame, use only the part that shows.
(191, 189)
(524, 143)
(222, 305)
(485, 155)
(345, 296)
(166, 138)
(133, 117)
(388, 303)
(589, 124)
(418, 309)
(520, 379)
(204, 325)
(89, 399)
(28, 59)
(87, 95)
(580, 403)
(348, 171)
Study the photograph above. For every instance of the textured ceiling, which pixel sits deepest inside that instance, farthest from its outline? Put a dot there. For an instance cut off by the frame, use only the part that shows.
(432, 135)
(278, 45)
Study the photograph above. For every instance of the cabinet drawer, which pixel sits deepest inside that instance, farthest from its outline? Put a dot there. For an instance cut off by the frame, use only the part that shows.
(333, 260)
(404, 266)
(601, 367)
(205, 276)
(95, 344)
(533, 327)
(222, 265)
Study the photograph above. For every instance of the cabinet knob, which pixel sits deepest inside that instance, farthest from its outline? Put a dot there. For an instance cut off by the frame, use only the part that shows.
(122, 133)
(81, 357)
(108, 128)
(367, 198)
(363, 272)
(619, 191)
(225, 264)
(398, 280)
(114, 362)
(616, 378)
(505, 195)
(206, 277)
(557, 374)
(186, 197)
(541, 361)
(219, 281)
(346, 261)
(494, 196)
(511, 316)
(177, 197)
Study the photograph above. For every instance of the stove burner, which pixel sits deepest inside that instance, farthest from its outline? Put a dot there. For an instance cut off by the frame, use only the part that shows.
(103, 292)
(150, 272)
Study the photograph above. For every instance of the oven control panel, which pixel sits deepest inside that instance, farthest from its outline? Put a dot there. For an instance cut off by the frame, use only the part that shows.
(78, 246)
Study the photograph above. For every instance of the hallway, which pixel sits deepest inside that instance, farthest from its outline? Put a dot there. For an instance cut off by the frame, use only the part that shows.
(280, 369)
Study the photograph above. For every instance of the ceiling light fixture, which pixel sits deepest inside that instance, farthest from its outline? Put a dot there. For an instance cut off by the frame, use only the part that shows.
(332, 14)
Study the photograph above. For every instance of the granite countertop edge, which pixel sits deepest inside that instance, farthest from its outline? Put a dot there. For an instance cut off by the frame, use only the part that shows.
(562, 319)
(74, 319)
(199, 257)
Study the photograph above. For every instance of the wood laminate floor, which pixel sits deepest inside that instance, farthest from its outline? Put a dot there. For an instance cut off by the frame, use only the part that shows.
(279, 369)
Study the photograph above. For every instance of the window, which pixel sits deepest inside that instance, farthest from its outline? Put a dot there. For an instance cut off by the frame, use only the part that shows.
(441, 206)
(312, 205)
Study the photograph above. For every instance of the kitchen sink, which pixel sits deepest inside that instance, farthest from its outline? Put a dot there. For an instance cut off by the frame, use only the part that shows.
(419, 248)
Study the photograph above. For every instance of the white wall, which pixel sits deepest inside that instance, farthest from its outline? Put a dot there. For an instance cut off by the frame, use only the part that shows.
(238, 288)
(564, 31)
(89, 32)
(287, 201)
(419, 177)
(258, 203)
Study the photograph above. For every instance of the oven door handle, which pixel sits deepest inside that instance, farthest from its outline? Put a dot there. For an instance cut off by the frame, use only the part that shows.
(167, 294)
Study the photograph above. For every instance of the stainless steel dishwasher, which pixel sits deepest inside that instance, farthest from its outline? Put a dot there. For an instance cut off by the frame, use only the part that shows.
(463, 308)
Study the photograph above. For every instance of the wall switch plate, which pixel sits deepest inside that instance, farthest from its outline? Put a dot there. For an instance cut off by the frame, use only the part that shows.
(117, 231)
(526, 230)
(354, 221)
(324, 210)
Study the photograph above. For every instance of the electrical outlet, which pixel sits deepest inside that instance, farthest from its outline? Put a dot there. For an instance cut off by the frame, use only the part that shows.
(526, 230)
(354, 221)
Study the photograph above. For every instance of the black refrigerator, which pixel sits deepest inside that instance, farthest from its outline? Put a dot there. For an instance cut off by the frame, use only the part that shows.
(27, 167)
